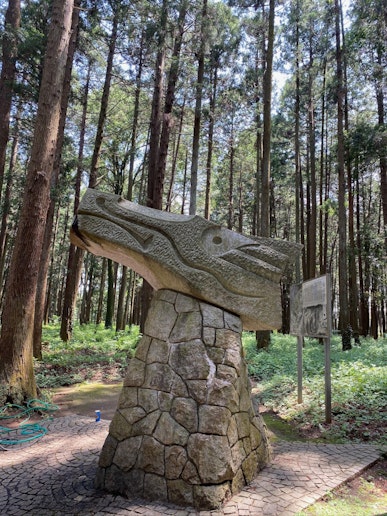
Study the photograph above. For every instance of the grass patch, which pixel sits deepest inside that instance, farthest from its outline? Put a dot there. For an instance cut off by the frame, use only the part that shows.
(359, 386)
(365, 496)
(94, 353)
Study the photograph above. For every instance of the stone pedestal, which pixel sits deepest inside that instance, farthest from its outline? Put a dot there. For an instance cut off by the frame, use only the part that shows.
(185, 430)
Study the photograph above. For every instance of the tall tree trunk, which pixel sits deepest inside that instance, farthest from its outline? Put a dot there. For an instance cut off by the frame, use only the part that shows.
(230, 218)
(363, 306)
(120, 318)
(297, 152)
(344, 321)
(383, 159)
(45, 257)
(76, 254)
(267, 91)
(154, 191)
(323, 164)
(111, 294)
(312, 223)
(263, 337)
(155, 182)
(175, 158)
(7, 77)
(17, 381)
(211, 125)
(198, 114)
(93, 179)
(7, 196)
(98, 317)
(136, 112)
(167, 122)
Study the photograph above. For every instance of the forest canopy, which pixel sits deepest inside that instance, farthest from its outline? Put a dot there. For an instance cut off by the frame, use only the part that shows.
(267, 117)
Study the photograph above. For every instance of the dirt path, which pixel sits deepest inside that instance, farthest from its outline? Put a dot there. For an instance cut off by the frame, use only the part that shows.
(85, 399)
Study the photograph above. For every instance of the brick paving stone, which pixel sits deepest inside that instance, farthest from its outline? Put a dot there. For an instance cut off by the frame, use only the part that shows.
(55, 477)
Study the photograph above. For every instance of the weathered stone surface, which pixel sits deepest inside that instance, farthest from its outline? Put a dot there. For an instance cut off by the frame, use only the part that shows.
(168, 431)
(227, 373)
(238, 482)
(238, 454)
(147, 424)
(143, 347)
(214, 420)
(165, 400)
(227, 339)
(128, 397)
(175, 461)
(160, 320)
(162, 377)
(250, 466)
(158, 352)
(136, 372)
(211, 497)
(243, 424)
(224, 394)
(186, 304)
(148, 399)
(197, 390)
(126, 453)
(212, 458)
(190, 474)
(151, 456)
(119, 427)
(185, 429)
(180, 492)
(212, 316)
(108, 451)
(190, 255)
(132, 482)
(155, 487)
(131, 415)
(188, 327)
(232, 322)
(209, 336)
(185, 412)
(190, 361)
(232, 431)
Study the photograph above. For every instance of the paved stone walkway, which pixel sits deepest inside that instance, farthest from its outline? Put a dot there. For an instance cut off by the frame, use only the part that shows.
(54, 476)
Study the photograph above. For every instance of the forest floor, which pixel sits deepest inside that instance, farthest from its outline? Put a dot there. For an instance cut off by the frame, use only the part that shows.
(86, 375)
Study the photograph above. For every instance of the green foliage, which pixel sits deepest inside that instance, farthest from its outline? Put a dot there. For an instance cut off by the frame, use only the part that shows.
(93, 352)
(359, 385)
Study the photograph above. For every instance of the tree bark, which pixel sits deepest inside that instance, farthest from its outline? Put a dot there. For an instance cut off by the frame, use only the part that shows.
(198, 115)
(263, 337)
(344, 321)
(7, 77)
(75, 254)
(17, 381)
(45, 257)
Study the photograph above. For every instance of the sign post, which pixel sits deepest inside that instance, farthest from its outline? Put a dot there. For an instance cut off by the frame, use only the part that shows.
(327, 353)
(310, 315)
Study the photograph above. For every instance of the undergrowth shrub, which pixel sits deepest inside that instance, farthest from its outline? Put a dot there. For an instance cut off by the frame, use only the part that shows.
(93, 352)
(358, 377)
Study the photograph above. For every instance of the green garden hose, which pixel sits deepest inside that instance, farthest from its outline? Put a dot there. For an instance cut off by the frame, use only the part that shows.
(25, 432)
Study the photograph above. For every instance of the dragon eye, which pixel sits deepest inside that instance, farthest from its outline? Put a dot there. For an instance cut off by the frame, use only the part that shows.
(217, 240)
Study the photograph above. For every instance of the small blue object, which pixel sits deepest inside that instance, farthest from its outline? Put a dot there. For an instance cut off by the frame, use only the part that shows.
(97, 416)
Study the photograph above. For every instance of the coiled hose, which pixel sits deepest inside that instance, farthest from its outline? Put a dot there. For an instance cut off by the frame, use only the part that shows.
(24, 432)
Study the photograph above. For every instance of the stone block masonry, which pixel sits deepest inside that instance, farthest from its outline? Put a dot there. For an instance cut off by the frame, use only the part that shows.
(185, 430)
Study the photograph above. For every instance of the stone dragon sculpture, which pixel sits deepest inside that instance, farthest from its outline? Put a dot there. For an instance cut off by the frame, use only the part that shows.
(188, 254)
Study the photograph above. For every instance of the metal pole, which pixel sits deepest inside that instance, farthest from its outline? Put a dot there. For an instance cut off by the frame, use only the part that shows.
(300, 342)
(327, 353)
